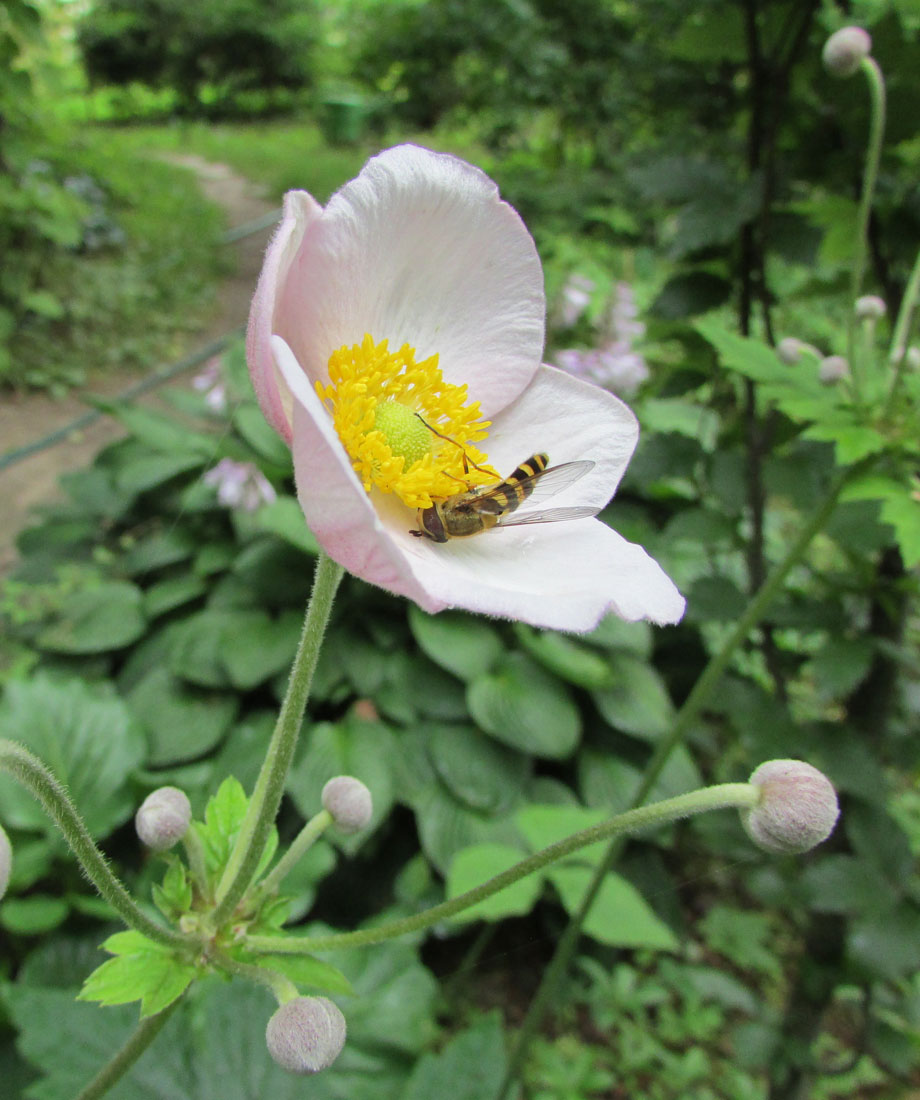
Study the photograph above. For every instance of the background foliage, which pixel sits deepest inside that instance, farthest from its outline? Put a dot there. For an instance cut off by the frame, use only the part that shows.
(697, 152)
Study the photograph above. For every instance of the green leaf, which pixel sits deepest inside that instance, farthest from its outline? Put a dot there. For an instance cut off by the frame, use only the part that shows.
(567, 658)
(619, 917)
(223, 817)
(142, 970)
(143, 472)
(174, 896)
(473, 866)
(157, 430)
(852, 442)
(87, 734)
(96, 620)
(742, 937)
(253, 647)
(250, 422)
(446, 826)
(167, 595)
(284, 517)
(470, 1067)
(33, 915)
(520, 705)
(887, 945)
(750, 357)
(542, 826)
(181, 722)
(639, 704)
(464, 645)
(305, 970)
(482, 774)
(690, 293)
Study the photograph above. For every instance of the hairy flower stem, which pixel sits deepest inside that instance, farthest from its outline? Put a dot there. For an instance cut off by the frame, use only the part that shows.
(304, 840)
(266, 797)
(721, 797)
(54, 800)
(876, 81)
(112, 1072)
(685, 717)
(897, 355)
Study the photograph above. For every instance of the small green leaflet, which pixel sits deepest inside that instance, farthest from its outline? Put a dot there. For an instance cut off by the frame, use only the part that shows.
(223, 817)
(142, 970)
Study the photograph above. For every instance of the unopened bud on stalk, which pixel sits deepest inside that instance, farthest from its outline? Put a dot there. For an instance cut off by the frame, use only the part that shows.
(870, 308)
(306, 1035)
(163, 818)
(833, 368)
(797, 810)
(349, 802)
(845, 49)
(6, 860)
(789, 350)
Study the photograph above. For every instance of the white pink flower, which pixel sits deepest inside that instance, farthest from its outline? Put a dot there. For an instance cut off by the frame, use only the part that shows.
(385, 328)
(240, 485)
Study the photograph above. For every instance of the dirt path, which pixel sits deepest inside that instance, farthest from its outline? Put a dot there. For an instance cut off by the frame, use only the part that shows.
(28, 417)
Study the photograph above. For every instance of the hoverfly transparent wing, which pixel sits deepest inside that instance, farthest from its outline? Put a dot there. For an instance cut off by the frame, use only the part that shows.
(548, 515)
(538, 487)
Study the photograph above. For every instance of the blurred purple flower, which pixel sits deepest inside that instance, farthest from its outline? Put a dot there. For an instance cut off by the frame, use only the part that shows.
(576, 294)
(240, 485)
(613, 365)
(210, 382)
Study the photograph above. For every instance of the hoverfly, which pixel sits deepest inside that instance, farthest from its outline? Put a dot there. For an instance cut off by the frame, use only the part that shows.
(477, 510)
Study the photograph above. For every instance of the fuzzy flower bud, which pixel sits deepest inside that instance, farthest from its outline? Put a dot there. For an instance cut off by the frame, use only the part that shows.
(870, 308)
(797, 810)
(306, 1035)
(163, 818)
(845, 49)
(349, 802)
(6, 860)
(789, 350)
(833, 368)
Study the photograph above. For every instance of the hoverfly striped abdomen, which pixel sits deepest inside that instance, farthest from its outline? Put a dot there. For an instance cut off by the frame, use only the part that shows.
(516, 488)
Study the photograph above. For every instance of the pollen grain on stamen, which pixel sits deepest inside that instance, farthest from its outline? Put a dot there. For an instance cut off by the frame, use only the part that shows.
(406, 430)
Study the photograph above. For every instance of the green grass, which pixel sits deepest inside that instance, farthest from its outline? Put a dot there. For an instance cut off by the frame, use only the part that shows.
(129, 304)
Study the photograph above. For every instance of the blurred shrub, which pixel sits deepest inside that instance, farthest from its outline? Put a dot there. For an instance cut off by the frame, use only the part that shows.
(222, 47)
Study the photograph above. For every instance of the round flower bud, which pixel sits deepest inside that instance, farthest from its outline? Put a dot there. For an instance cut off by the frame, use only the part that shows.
(306, 1035)
(833, 368)
(870, 308)
(163, 818)
(6, 860)
(349, 802)
(845, 49)
(797, 810)
(789, 350)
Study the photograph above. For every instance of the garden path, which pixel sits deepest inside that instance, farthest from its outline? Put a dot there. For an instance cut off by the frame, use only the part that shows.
(27, 417)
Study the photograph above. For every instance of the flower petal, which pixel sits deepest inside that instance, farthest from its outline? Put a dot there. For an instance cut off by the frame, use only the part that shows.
(300, 209)
(419, 249)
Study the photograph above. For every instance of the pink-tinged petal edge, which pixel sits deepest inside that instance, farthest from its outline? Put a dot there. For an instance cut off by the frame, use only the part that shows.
(564, 576)
(419, 249)
(300, 210)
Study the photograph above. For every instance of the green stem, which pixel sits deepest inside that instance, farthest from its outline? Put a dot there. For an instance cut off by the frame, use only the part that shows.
(266, 797)
(721, 797)
(147, 1030)
(870, 175)
(282, 988)
(304, 840)
(194, 853)
(692, 706)
(56, 803)
(897, 354)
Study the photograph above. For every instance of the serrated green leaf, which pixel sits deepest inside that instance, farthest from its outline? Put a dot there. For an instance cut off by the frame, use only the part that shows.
(619, 917)
(460, 643)
(142, 970)
(522, 706)
(474, 866)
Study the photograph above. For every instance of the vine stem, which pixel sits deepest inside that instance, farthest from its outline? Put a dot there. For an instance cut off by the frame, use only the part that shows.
(112, 1072)
(723, 796)
(692, 706)
(876, 81)
(55, 801)
(266, 796)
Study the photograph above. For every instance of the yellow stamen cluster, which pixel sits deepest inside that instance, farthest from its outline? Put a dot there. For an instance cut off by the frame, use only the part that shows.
(406, 430)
